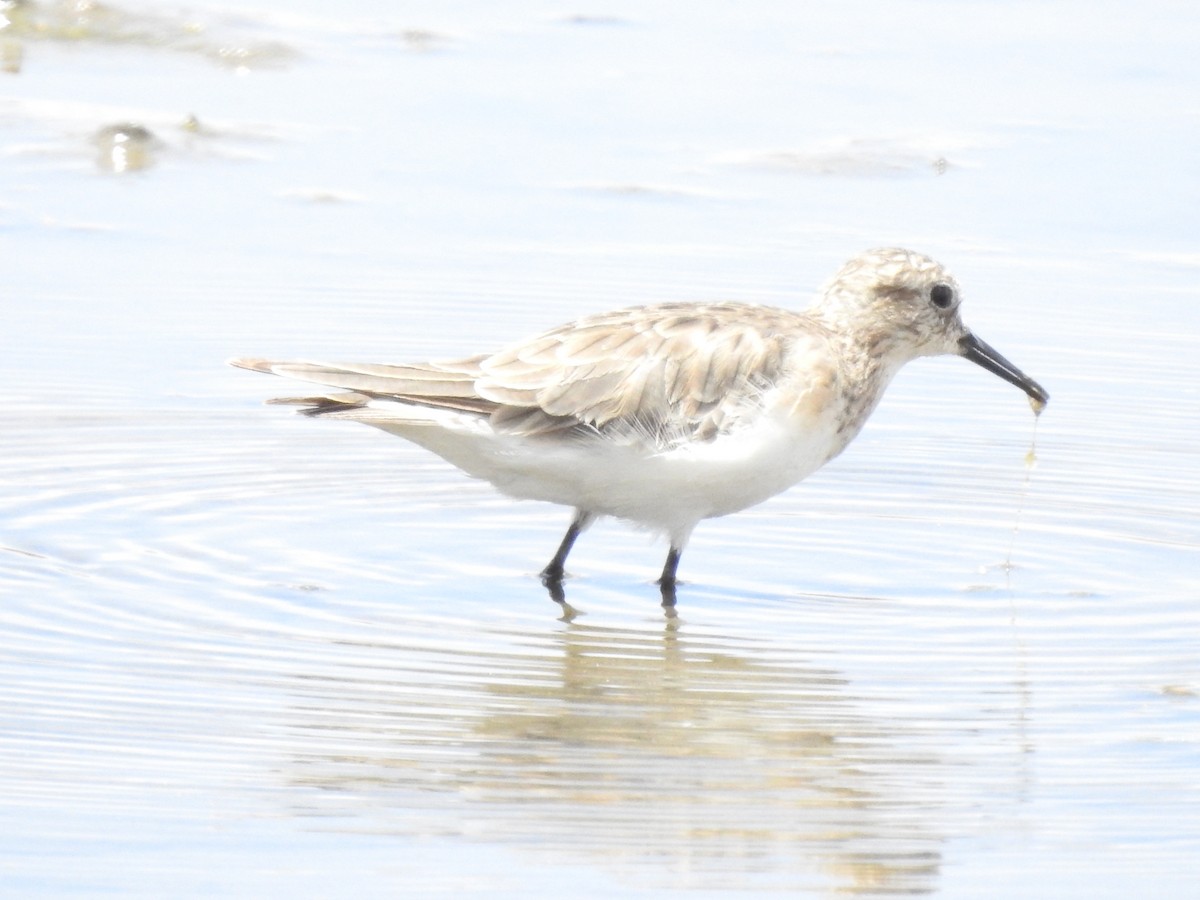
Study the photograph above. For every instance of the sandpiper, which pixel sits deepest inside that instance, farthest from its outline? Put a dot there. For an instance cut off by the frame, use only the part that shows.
(666, 415)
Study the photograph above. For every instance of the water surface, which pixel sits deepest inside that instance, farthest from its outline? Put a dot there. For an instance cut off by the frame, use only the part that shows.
(244, 652)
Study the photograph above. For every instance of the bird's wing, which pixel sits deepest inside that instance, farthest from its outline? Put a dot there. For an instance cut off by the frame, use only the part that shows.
(449, 385)
(661, 374)
(664, 373)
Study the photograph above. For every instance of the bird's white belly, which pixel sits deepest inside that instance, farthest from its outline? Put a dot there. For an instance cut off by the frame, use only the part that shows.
(664, 490)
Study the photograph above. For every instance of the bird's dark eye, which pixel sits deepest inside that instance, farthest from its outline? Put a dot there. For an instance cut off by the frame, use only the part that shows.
(942, 296)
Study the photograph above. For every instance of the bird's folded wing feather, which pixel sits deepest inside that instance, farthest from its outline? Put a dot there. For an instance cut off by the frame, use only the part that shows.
(444, 384)
(665, 373)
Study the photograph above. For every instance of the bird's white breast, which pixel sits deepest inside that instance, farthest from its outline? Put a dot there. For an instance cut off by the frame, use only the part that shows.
(669, 490)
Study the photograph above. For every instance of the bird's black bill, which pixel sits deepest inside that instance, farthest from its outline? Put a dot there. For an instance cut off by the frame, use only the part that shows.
(981, 354)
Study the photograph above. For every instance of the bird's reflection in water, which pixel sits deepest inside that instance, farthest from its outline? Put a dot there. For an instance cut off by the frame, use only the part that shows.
(670, 756)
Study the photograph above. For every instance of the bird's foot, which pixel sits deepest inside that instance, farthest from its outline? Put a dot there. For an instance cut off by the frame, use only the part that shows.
(667, 587)
(552, 581)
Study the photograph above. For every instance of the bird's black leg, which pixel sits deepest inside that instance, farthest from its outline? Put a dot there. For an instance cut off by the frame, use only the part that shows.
(552, 575)
(666, 581)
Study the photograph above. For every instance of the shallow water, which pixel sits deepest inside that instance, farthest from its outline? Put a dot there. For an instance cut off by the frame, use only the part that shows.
(244, 652)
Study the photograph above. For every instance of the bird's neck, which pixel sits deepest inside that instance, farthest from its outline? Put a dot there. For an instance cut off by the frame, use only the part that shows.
(867, 363)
